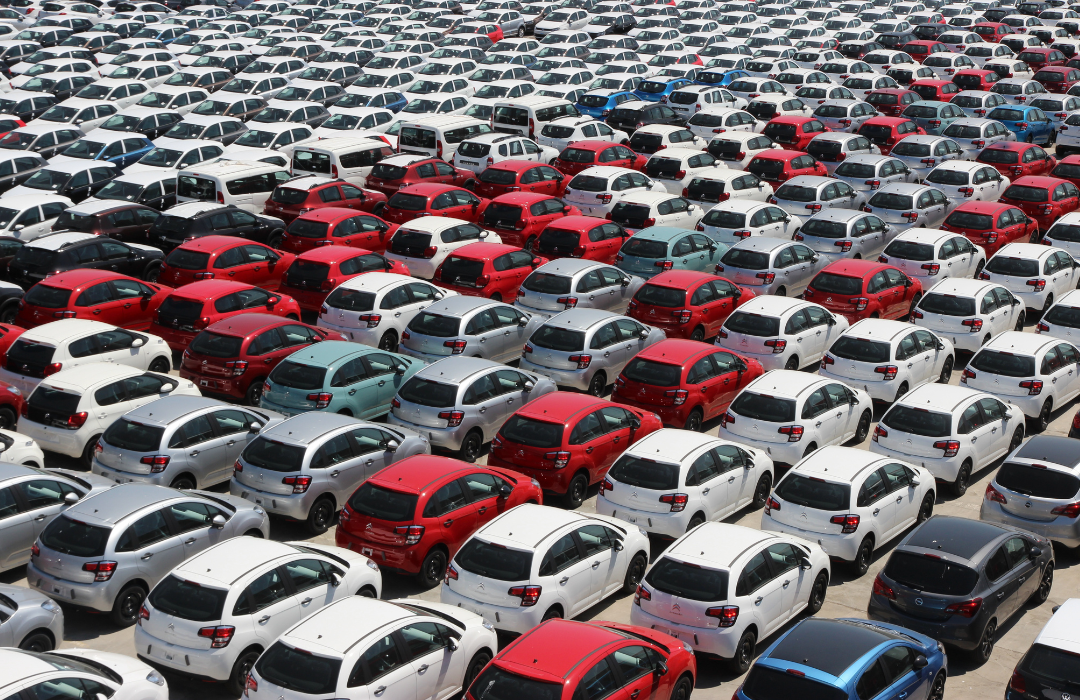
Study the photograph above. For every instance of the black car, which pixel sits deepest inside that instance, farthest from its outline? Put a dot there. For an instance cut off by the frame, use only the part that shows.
(631, 116)
(858, 49)
(72, 179)
(155, 193)
(59, 252)
(958, 580)
(198, 219)
(9, 246)
(151, 125)
(996, 14)
(930, 32)
(895, 41)
(1032, 8)
(61, 88)
(619, 24)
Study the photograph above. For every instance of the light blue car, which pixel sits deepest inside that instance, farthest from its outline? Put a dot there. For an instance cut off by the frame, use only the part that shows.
(1030, 124)
(933, 117)
(661, 248)
(119, 148)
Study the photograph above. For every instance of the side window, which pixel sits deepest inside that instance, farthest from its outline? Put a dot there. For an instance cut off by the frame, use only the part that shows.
(307, 573)
(263, 592)
(562, 554)
(634, 662)
(595, 538)
(754, 575)
(334, 451)
(195, 431)
(599, 682)
(816, 404)
(381, 658)
(447, 499)
(422, 638)
(144, 532)
(40, 493)
(193, 516)
(1016, 550)
(998, 565)
(783, 558)
(703, 469)
(872, 682)
(872, 489)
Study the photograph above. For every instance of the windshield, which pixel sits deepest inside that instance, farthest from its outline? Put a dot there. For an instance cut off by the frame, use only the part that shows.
(998, 156)
(764, 683)
(298, 671)
(547, 283)
(351, 300)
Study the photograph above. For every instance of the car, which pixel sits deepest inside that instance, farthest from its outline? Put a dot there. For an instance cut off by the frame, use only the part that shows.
(839, 234)
(793, 133)
(333, 226)
(658, 248)
(936, 90)
(807, 195)
(1028, 123)
(735, 220)
(962, 309)
(103, 217)
(775, 166)
(189, 220)
(122, 676)
(886, 132)
(72, 250)
(892, 101)
(859, 289)
(974, 79)
(631, 116)
(991, 225)
(770, 265)
(581, 155)
(582, 237)
(225, 257)
(597, 190)
(654, 137)
(94, 294)
(509, 176)
(314, 274)
(861, 653)
(478, 152)
(931, 116)
(979, 560)
(1042, 199)
(392, 174)
(867, 173)
(425, 199)
(1051, 644)
(622, 554)
(168, 524)
(1035, 274)
(563, 284)
(307, 193)
(34, 622)
(519, 217)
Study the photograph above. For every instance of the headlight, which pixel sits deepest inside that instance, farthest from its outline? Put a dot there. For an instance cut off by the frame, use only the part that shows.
(643, 533)
(51, 606)
(372, 565)
(688, 647)
(259, 510)
(487, 625)
(154, 678)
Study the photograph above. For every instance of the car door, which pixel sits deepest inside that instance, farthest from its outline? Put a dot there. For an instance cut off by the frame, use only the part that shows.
(384, 671)
(787, 567)
(716, 494)
(994, 413)
(483, 399)
(566, 564)
(898, 480)
(759, 583)
(507, 335)
(485, 494)
(130, 304)
(637, 667)
(158, 547)
(923, 364)
(193, 521)
(205, 450)
(606, 565)
(844, 410)
(817, 336)
(438, 669)
(18, 527)
(269, 606)
(312, 583)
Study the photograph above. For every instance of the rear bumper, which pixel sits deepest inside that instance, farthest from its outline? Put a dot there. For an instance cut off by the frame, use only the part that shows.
(285, 505)
(839, 546)
(446, 438)
(365, 336)
(222, 386)
(943, 468)
(95, 596)
(671, 416)
(664, 524)
(1061, 529)
(122, 477)
(879, 391)
(550, 480)
(1032, 300)
(308, 300)
(288, 411)
(720, 642)
(573, 378)
(517, 620)
(966, 341)
(65, 442)
(407, 559)
(782, 452)
(207, 664)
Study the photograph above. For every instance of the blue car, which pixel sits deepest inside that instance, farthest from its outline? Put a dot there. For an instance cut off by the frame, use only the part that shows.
(599, 103)
(658, 88)
(1030, 124)
(720, 77)
(847, 659)
(118, 148)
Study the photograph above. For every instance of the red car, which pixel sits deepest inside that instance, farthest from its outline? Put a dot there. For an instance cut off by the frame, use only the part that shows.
(1014, 159)
(337, 227)
(97, 295)
(1068, 168)
(992, 31)
(858, 289)
(415, 201)
(935, 90)
(1042, 57)
(519, 217)
(684, 382)
(892, 101)
(687, 304)
(303, 194)
(8, 335)
(314, 274)
(567, 658)
(777, 166)
(991, 225)
(920, 49)
(391, 174)
(564, 458)
(493, 31)
(886, 132)
(520, 176)
(585, 237)
(11, 406)
(580, 155)
(225, 258)
(406, 519)
(233, 357)
(1045, 199)
(793, 132)
(199, 305)
(975, 78)
(491, 270)
(1057, 79)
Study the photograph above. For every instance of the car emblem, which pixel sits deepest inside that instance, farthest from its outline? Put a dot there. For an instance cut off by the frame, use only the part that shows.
(995, 381)
(172, 626)
(828, 298)
(1028, 504)
(918, 601)
(368, 526)
(804, 516)
(204, 362)
(633, 494)
(744, 341)
(652, 312)
(754, 426)
(676, 610)
(480, 586)
(1066, 696)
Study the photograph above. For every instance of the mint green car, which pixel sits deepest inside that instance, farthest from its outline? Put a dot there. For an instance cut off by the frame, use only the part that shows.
(658, 249)
(933, 117)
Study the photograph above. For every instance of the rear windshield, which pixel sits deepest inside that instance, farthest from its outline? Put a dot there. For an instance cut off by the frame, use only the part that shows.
(214, 345)
(887, 200)
(499, 684)
(1054, 666)
(998, 156)
(859, 171)
(495, 176)
(1024, 193)
(28, 352)
(435, 325)
(836, 284)
(428, 393)
(47, 297)
(688, 581)
(1013, 267)
(745, 259)
(643, 247)
(824, 229)
(911, 149)
(180, 308)
(76, 539)
(860, 350)
(1062, 315)
(274, 456)
(764, 683)
(382, 503)
(129, 435)
(814, 493)
(188, 601)
(753, 324)
(655, 295)
(287, 195)
(534, 433)
(408, 202)
(795, 193)
(588, 183)
(298, 671)
(944, 176)
(385, 171)
(653, 373)
(558, 339)
(188, 259)
(1037, 481)
(959, 219)
(918, 421)
(1005, 364)
(297, 376)
(351, 300)
(302, 228)
(645, 473)
(461, 271)
(930, 574)
(491, 561)
(634, 216)
(546, 283)
(763, 407)
(947, 305)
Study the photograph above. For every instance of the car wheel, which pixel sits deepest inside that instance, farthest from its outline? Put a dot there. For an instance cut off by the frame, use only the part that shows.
(635, 572)
(598, 384)
(761, 491)
(9, 312)
(1017, 438)
(575, 494)
(38, 641)
(1047, 582)
(818, 593)
(698, 334)
(520, 34)
(781, 292)
(946, 371)
(7, 418)
(1042, 421)
(161, 365)
(914, 303)
(482, 657)
(530, 245)
(152, 273)
(901, 390)
(981, 654)
(553, 613)
(698, 519)
(979, 268)
(88, 451)
(1020, 321)
(864, 427)
(471, 446)
(433, 569)
(693, 421)
(378, 209)
(240, 670)
(682, 689)
(367, 592)
(937, 690)
(1047, 304)
(274, 241)
(496, 297)
(863, 557)
(388, 342)
(125, 610)
(183, 483)
(744, 653)
(792, 364)
(254, 392)
(960, 484)
(320, 517)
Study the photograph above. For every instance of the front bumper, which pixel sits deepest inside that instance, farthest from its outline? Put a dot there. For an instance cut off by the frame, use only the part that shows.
(295, 506)
(665, 524)
(706, 640)
(517, 620)
(95, 596)
(446, 438)
(844, 547)
(573, 378)
(209, 664)
(1061, 529)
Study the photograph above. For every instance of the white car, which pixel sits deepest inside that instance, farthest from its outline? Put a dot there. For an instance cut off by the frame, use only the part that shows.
(71, 672)
(770, 580)
(850, 502)
(932, 255)
(737, 148)
(171, 155)
(721, 120)
(1062, 320)
(29, 215)
(765, 107)
(654, 137)
(717, 478)
(674, 168)
(647, 209)
(921, 153)
(598, 189)
(411, 241)
(712, 186)
(840, 69)
(790, 414)
(868, 173)
(952, 431)
(973, 135)
(1036, 373)
(888, 358)
(69, 411)
(946, 65)
(282, 137)
(480, 152)
(969, 313)
(553, 562)
(838, 234)
(807, 195)
(744, 87)
(560, 133)
(71, 342)
(737, 218)
(397, 299)
(965, 181)
(359, 635)
(844, 115)
(1034, 273)
(215, 612)
(988, 51)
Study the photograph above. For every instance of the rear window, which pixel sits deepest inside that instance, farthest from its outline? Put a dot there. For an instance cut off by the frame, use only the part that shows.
(763, 407)
(428, 393)
(883, 98)
(495, 176)
(753, 324)
(814, 493)
(47, 297)
(299, 671)
(461, 271)
(930, 574)
(655, 295)
(635, 216)
(534, 433)
(764, 683)
(498, 684)
(136, 437)
(947, 305)
(1005, 364)
(297, 376)
(473, 149)
(1062, 315)
(491, 561)
(943, 176)
(302, 228)
(76, 539)
(188, 259)
(214, 345)
(745, 259)
(351, 300)
(546, 283)
(836, 284)
(824, 229)
(288, 195)
(1026, 194)
(1037, 482)
(435, 325)
(504, 215)
(998, 156)
(959, 219)
(273, 455)
(588, 183)
(382, 503)
(27, 352)
(418, 138)
(860, 350)
(688, 581)
(577, 155)
(645, 473)
(408, 202)
(1054, 666)
(918, 421)
(795, 193)
(887, 200)
(653, 373)
(1013, 267)
(911, 150)
(385, 171)
(188, 601)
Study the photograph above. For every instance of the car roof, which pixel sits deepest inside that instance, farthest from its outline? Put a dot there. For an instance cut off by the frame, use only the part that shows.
(581, 319)
(1054, 449)
(528, 525)
(842, 464)
(938, 396)
(560, 406)
(561, 649)
(229, 560)
(113, 505)
(851, 267)
(306, 428)
(570, 267)
(878, 329)
(1017, 343)
(848, 641)
(419, 472)
(60, 239)
(681, 279)
(675, 351)
(1060, 632)
(786, 383)
(961, 537)
(170, 408)
(458, 369)
(762, 243)
(323, 628)
(715, 544)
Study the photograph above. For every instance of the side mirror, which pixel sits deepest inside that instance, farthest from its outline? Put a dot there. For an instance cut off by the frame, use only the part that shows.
(626, 281)
(272, 300)
(1034, 553)
(618, 546)
(18, 227)
(255, 427)
(661, 668)
(535, 262)
(399, 370)
(1015, 301)
(913, 483)
(505, 491)
(528, 386)
(335, 580)
(392, 445)
(907, 282)
(644, 333)
(147, 296)
(483, 234)
(138, 342)
(920, 662)
(439, 296)
(218, 522)
(71, 498)
(805, 564)
(635, 423)
(452, 644)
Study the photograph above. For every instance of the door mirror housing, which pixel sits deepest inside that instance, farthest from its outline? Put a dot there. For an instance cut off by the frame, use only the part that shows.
(272, 301)
(399, 370)
(452, 644)
(255, 427)
(635, 423)
(147, 296)
(138, 342)
(505, 491)
(920, 662)
(392, 445)
(913, 483)
(1034, 553)
(617, 546)
(528, 386)
(335, 580)
(71, 498)
(218, 522)
(625, 281)
(644, 334)
(661, 668)
(805, 564)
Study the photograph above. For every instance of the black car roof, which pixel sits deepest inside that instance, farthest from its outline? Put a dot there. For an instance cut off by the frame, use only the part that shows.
(1051, 448)
(958, 536)
(847, 643)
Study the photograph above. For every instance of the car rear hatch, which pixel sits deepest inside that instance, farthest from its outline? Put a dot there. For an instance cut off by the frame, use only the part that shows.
(809, 503)
(346, 306)
(179, 312)
(292, 383)
(210, 354)
(53, 406)
(265, 460)
(504, 217)
(639, 483)
(66, 544)
(914, 431)
(486, 571)
(377, 511)
(421, 400)
(1032, 491)
(410, 244)
(764, 416)
(306, 275)
(555, 242)
(747, 332)
(924, 585)
(1000, 373)
(857, 358)
(29, 358)
(463, 272)
(180, 608)
(526, 442)
(686, 590)
(543, 290)
(126, 442)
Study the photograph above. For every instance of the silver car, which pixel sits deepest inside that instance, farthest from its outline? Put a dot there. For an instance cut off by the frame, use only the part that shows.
(771, 265)
(572, 283)
(807, 195)
(29, 500)
(907, 206)
(832, 149)
(106, 552)
(973, 135)
(837, 234)
(844, 115)
(586, 349)
(186, 442)
(30, 621)
(461, 402)
(306, 467)
(923, 153)
(977, 103)
(869, 173)
(469, 326)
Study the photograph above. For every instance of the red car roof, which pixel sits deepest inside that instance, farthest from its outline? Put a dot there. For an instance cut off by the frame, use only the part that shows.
(331, 254)
(887, 121)
(555, 648)
(414, 474)
(210, 289)
(991, 208)
(429, 189)
(789, 119)
(1056, 69)
(933, 82)
(211, 244)
(522, 198)
(1042, 181)
(854, 268)
(675, 351)
(245, 324)
(483, 251)
(1045, 50)
(331, 215)
(578, 223)
(78, 278)
(1074, 159)
(892, 91)
(680, 279)
(560, 406)
(995, 25)
(974, 71)
(588, 145)
(781, 154)
(922, 42)
(1018, 146)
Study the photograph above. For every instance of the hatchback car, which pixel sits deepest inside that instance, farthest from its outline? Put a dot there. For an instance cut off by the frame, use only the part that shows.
(108, 297)
(1035, 274)
(306, 193)
(519, 176)
(424, 199)
(776, 166)
(580, 155)
(858, 289)
(886, 132)
(338, 225)
(228, 258)
(770, 265)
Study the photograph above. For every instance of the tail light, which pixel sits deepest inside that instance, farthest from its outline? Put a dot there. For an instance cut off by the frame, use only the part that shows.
(931, 268)
(683, 316)
(144, 614)
(583, 361)
(1021, 126)
(1070, 511)
(889, 372)
(992, 494)
(978, 143)
(1048, 209)
(911, 216)
(966, 375)
(800, 237)
(75, 421)
(238, 466)
(430, 252)
(567, 302)
(967, 191)
(929, 162)
(814, 208)
(606, 486)
(874, 184)
(63, 314)
(794, 432)
(456, 346)
(411, 533)
(619, 256)
(844, 246)
(738, 234)
(848, 523)
(916, 314)
(984, 275)
(642, 593)
(321, 399)
(867, 207)
(726, 419)
(578, 252)
(767, 276)
(677, 501)
(980, 112)
(1039, 285)
(975, 324)
(1042, 328)
(604, 198)
(237, 367)
(771, 505)
(860, 303)
(102, 570)
(649, 222)
(951, 447)
(453, 418)
(299, 484)
(451, 574)
(880, 432)
(204, 275)
(1017, 684)
(220, 197)
(529, 594)
(881, 589)
(1017, 169)
(219, 636)
(372, 320)
(969, 608)
(778, 346)
(561, 458)
(52, 369)
(157, 462)
(725, 615)
(1034, 386)
(526, 349)
(827, 360)
(664, 265)
(395, 403)
(405, 335)
(845, 122)
(678, 396)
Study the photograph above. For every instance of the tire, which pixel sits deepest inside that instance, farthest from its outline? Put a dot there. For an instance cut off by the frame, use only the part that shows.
(1042, 421)
(901, 390)
(152, 273)
(810, 449)
(37, 641)
(367, 592)
(781, 292)
(378, 209)
(241, 668)
(598, 384)
(926, 509)
(1047, 304)
(744, 653)
(530, 245)
(125, 610)
(7, 418)
(946, 371)
(635, 571)
(979, 268)
(959, 485)
(1017, 438)
(937, 690)
(1045, 584)
(864, 427)
(8, 313)
(274, 241)
(1020, 320)
(698, 334)
(293, 317)
(863, 557)
(88, 452)
(388, 342)
(433, 568)
(981, 654)
(345, 412)
(698, 519)
(482, 657)
(693, 421)
(470, 185)
(761, 491)
(183, 482)
(682, 689)
(471, 446)
(496, 297)
(553, 613)
(254, 533)
(818, 593)
(914, 303)
(161, 365)
(792, 364)
(320, 517)
(576, 492)
(254, 392)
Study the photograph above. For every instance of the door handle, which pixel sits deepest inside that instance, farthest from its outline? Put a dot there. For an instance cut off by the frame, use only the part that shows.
(264, 619)
(1000, 596)
(589, 449)
(564, 579)
(334, 473)
(127, 306)
(902, 695)
(758, 600)
(39, 518)
(596, 564)
(482, 410)
(448, 523)
(787, 583)
(817, 425)
(352, 391)
(383, 382)
(369, 462)
(876, 511)
(146, 556)
(482, 510)
(422, 668)
(509, 401)
(731, 479)
(380, 690)
(97, 311)
(190, 540)
(633, 695)
(1022, 578)
(230, 443)
(899, 499)
(606, 354)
